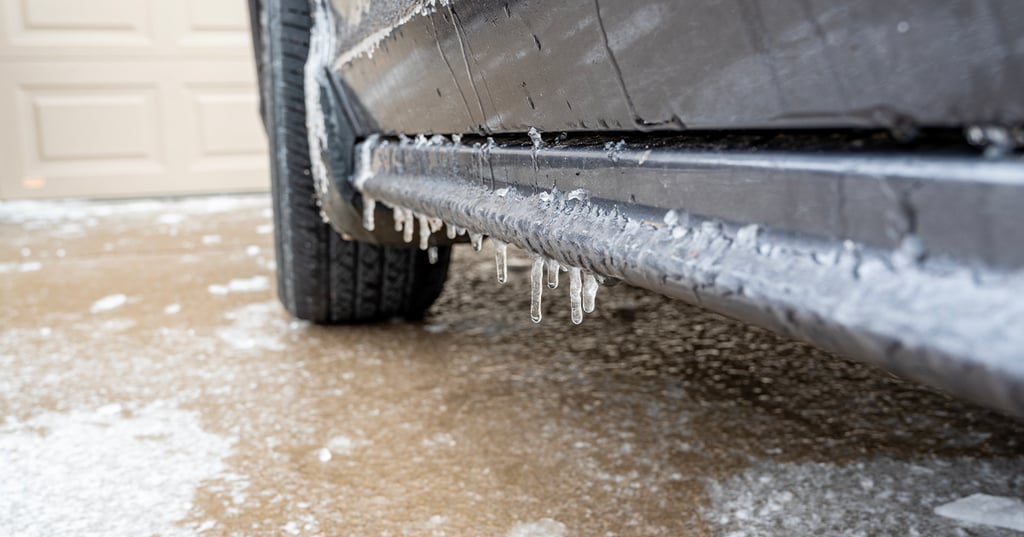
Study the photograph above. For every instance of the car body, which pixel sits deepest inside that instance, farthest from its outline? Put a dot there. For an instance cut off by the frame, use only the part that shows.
(845, 172)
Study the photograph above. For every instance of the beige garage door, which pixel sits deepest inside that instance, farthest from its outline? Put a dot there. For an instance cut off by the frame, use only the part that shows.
(104, 98)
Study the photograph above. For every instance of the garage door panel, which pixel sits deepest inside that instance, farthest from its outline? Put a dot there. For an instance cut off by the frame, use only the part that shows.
(65, 26)
(128, 97)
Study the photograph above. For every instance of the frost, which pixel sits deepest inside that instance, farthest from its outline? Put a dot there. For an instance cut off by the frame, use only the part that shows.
(101, 473)
(536, 288)
(544, 527)
(589, 292)
(108, 303)
(575, 294)
(240, 285)
(997, 511)
(535, 137)
(501, 260)
(747, 236)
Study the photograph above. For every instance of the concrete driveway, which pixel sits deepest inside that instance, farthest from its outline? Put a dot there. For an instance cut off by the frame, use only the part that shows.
(150, 384)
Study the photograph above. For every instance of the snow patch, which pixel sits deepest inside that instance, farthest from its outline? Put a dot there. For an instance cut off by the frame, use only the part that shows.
(240, 285)
(102, 473)
(545, 527)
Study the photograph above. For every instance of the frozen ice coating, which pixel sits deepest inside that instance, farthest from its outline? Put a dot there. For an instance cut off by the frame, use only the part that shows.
(424, 232)
(432, 254)
(369, 208)
(980, 508)
(575, 292)
(500, 260)
(476, 240)
(589, 291)
(536, 288)
(553, 270)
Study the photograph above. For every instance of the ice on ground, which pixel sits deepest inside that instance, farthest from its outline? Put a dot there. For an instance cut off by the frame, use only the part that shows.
(875, 497)
(254, 327)
(252, 250)
(265, 229)
(240, 285)
(108, 303)
(31, 266)
(979, 508)
(211, 239)
(172, 309)
(97, 473)
(545, 527)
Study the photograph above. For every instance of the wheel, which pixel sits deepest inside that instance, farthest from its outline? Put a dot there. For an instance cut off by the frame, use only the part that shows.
(322, 277)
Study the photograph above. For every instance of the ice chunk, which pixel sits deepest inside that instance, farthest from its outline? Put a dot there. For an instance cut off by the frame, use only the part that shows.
(536, 288)
(998, 511)
(589, 292)
(108, 303)
(575, 292)
(553, 269)
(501, 260)
(477, 240)
(432, 254)
(424, 232)
(369, 208)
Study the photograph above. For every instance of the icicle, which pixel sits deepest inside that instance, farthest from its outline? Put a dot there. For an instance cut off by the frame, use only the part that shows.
(398, 215)
(477, 240)
(500, 259)
(536, 288)
(575, 290)
(424, 232)
(589, 292)
(409, 223)
(432, 254)
(553, 273)
(369, 207)
(451, 230)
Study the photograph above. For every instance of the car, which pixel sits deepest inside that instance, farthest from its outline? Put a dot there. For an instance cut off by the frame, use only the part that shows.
(848, 173)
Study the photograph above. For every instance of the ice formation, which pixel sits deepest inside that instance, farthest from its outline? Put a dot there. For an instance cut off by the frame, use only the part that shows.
(536, 288)
(500, 260)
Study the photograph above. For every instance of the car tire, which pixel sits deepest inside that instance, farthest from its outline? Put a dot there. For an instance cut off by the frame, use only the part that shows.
(321, 277)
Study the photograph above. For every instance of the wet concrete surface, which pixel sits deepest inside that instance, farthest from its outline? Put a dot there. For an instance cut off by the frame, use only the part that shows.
(150, 384)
